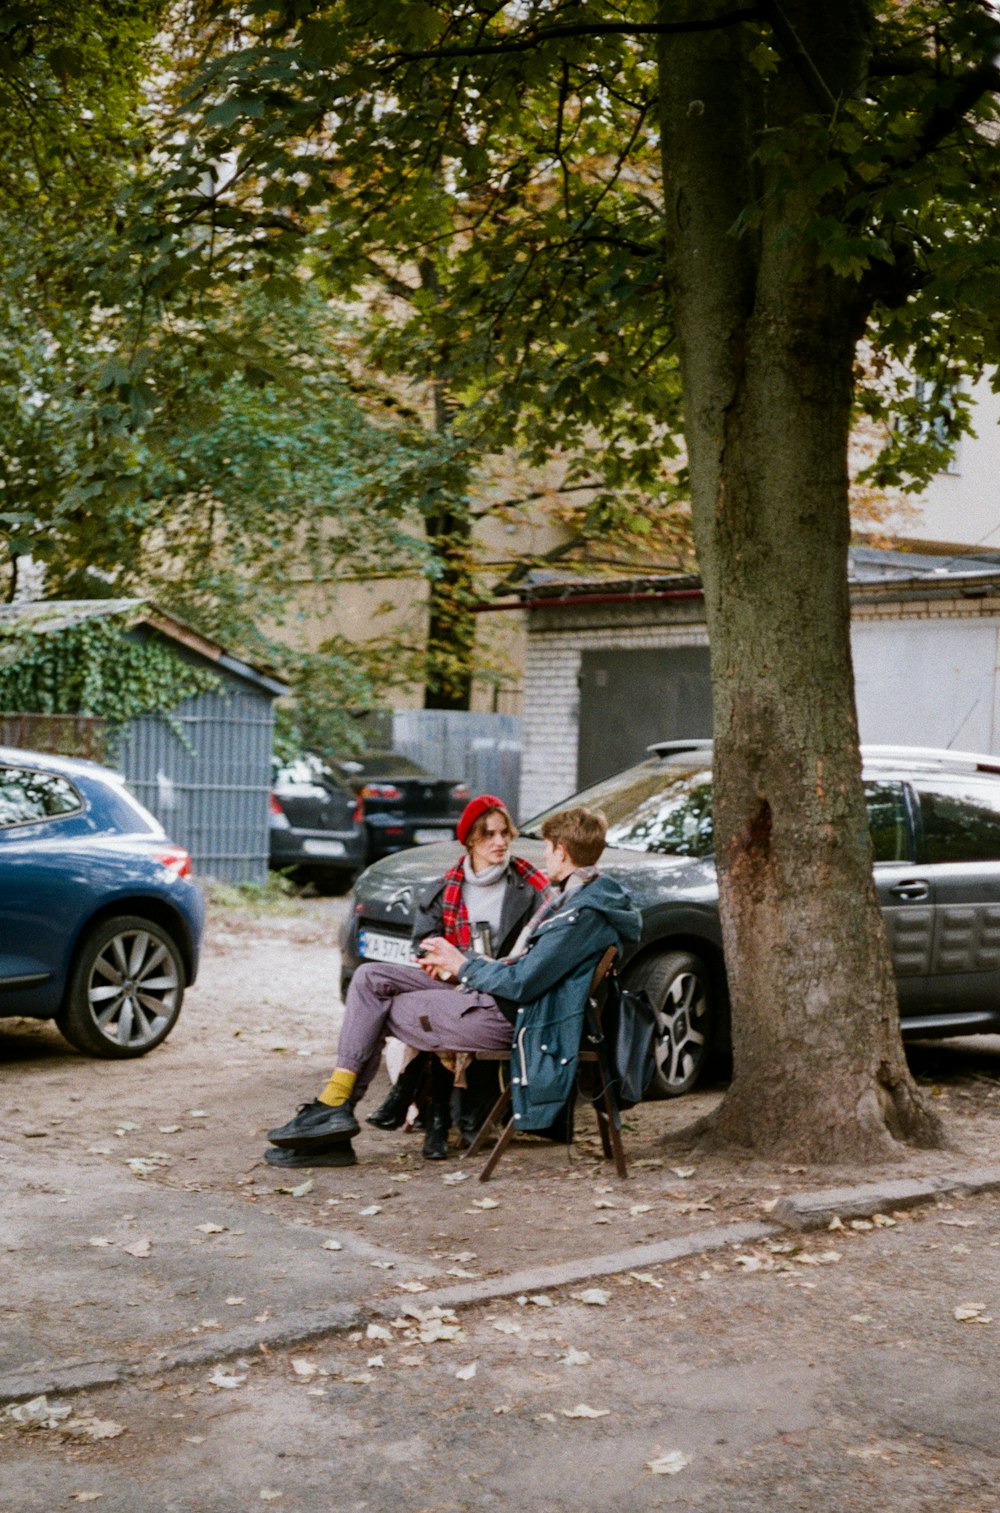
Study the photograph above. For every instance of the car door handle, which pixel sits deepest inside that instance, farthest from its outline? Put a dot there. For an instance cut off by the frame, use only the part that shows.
(913, 892)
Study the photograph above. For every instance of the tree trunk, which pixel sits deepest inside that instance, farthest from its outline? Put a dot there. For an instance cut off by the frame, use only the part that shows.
(767, 338)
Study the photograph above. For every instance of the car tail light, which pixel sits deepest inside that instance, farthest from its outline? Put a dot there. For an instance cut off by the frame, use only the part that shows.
(279, 819)
(359, 810)
(175, 859)
(382, 791)
(461, 792)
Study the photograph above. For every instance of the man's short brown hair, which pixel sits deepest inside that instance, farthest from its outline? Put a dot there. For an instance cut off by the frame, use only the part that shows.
(580, 830)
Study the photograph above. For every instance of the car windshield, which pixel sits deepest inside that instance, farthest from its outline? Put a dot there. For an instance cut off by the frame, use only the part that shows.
(653, 807)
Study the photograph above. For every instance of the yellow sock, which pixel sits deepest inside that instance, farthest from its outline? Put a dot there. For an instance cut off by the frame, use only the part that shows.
(339, 1088)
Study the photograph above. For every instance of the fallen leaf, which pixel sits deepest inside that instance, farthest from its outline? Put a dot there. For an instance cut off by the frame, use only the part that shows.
(197, 1113)
(862, 1224)
(85, 1496)
(383, 1265)
(574, 1357)
(168, 1129)
(375, 1361)
(959, 1223)
(304, 1370)
(454, 1177)
(466, 1373)
(484, 1203)
(537, 1299)
(644, 1276)
(459, 1271)
(669, 1464)
(583, 1410)
(235, 1302)
(93, 1428)
(268, 1495)
(439, 1329)
(226, 1379)
(101, 1240)
(38, 1413)
(506, 1326)
(412, 1286)
(366, 1213)
(378, 1332)
(883, 1221)
(210, 1229)
(683, 1171)
(972, 1313)
(597, 1297)
(139, 1248)
(331, 1245)
(640, 1208)
(299, 1191)
(359, 1378)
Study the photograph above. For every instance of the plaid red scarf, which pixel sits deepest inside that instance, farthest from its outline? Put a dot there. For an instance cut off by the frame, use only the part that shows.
(455, 916)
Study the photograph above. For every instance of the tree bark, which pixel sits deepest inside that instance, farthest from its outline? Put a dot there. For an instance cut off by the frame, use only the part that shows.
(767, 339)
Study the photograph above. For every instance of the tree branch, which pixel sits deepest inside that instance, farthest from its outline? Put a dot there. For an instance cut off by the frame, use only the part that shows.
(536, 36)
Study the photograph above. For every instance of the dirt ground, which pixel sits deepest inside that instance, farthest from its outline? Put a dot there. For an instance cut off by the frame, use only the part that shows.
(824, 1372)
(257, 1037)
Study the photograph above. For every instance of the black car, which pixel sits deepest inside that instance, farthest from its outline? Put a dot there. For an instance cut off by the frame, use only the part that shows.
(935, 824)
(402, 804)
(317, 831)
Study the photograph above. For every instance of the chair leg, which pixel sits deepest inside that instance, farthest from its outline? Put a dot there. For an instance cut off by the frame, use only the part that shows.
(602, 1125)
(506, 1136)
(495, 1114)
(614, 1135)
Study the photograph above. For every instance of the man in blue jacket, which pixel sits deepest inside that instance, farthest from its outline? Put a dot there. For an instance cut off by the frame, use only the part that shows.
(535, 997)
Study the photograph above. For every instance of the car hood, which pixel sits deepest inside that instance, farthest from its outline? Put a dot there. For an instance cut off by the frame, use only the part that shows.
(392, 886)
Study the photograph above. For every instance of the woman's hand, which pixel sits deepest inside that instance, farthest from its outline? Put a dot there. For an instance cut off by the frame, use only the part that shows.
(439, 957)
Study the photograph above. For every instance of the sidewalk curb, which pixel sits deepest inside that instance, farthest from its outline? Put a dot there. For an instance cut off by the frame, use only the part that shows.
(806, 1211)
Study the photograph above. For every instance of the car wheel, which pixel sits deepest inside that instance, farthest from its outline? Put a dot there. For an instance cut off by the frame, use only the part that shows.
(680, 988)
(126, 989)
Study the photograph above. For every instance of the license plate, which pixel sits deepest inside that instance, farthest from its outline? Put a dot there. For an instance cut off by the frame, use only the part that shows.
(375, 946)
(426, 837)
(323, 848)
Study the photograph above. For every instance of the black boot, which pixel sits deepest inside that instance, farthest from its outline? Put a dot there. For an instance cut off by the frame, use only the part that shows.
(436, 1138)
(391, 1113)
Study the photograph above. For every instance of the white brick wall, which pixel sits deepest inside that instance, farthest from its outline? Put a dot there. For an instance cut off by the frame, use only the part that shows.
(551, 718)
(558, 637)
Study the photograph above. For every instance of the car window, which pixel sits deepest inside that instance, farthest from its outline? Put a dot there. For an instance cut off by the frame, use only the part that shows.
(961, 819)
(27, 796)
(887, 821)
(654, 807)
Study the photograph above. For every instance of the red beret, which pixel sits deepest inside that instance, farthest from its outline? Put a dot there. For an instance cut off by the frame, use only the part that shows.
(472, 811)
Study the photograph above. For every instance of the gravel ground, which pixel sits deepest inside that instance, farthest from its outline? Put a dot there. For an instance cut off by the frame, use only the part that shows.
(823, 1372)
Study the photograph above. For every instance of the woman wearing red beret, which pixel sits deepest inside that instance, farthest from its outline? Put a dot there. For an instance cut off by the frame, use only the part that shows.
(480, 905)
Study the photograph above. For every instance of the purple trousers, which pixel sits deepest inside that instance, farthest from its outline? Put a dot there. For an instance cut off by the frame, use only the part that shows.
(430, 1016)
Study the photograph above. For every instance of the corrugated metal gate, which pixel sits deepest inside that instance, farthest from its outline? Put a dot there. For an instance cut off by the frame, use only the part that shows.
(483, 750)
(205, 772)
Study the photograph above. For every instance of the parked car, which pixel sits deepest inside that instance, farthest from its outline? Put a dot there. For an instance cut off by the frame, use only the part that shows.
(100, 922)
(317, 832)
(934, 818)
(403, 804)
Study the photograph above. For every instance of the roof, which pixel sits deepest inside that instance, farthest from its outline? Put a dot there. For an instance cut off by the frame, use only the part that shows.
(51, 615)
(869, 567)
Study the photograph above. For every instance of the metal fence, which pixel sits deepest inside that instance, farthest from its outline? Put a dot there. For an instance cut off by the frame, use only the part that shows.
(205, 774)
(483, 750)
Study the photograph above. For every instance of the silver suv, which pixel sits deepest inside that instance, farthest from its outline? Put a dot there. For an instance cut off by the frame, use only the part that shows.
(935, 824)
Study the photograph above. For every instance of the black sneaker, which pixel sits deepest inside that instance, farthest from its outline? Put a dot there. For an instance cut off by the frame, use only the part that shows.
(316, 1123)
(338, 1155)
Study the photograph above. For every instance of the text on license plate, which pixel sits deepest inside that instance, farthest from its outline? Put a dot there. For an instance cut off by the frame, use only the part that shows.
(425, 837)
(374, 946)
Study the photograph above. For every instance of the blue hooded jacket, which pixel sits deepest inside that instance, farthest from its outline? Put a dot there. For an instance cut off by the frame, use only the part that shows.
(549, 983)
